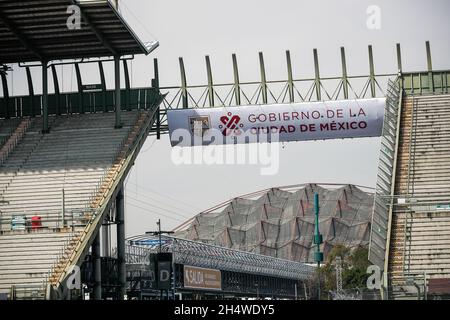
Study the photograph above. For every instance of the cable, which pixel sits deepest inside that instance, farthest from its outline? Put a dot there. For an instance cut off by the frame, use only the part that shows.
(122, 5)
(165, 196)
(157, 213)
(166, 204)
(160, 208)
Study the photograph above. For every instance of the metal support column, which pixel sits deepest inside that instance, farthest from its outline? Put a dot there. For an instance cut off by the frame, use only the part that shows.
(237, 87)
(57, 90)
(120, 217)
(45, 128)
(372, 73)
(184, 92)
(290, 77)
(96, 255)
(118, 104)
(263, 78)
(210, 82)
(399, 64)
(103, 83)
(30, 92)
(155, 85)
(317, 84)
(429, 68)
(5, 93)
(344, 73)
(80, 88)
(318, 240)
(127, 85)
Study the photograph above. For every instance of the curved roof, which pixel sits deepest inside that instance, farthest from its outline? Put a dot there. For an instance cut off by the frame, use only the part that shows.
(37, 30)
(279, 222)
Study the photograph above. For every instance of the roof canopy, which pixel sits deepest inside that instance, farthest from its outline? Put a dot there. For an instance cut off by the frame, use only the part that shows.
(45, 30)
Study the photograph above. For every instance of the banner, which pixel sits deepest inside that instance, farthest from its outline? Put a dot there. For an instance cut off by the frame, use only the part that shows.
(277, 122)
(201, 278)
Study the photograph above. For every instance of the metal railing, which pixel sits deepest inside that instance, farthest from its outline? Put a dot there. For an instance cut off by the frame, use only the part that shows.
(380, 232)
(200, 254)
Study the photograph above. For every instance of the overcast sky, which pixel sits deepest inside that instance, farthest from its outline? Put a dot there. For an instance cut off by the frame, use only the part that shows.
(195, 28)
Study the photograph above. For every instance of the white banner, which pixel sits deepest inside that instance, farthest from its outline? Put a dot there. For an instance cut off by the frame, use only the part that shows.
(277, 122)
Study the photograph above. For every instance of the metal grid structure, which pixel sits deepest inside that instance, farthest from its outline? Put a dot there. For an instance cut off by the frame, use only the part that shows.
(386, 174)
(193, 253)
(36, 30)
(265, 91)
(279, 222)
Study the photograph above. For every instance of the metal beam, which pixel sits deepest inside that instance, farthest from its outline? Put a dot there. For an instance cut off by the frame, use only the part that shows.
(127, 85)
(80, 87)
(399, 58)
(429, 67)
(45, 128)
(120, 217)
(237, 87)
(5, 93)
(210, 82)
(56, 87)
(103, 83)
(96, 31)
(155, 85)
(290, 81)
(96, 255)
(344, 73)
(317, 76)
(372, 73)
(118, 105)
(19, 35)
(262, 70)
(184, 93)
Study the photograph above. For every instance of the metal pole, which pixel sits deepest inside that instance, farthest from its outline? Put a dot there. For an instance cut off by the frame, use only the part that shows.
(237, 89)
(263, 78)
(430, 67)
(80, 88)
(344, 73)
(127, 85)
(290, 77)
(156, 86)
(63, 208)
(103, 82)
(210, 82)
(120, 208)
(57, 90)
(45, 128)
(318, 241)
(372, 73)
(97, 268)
(184, 92)
(30, 91)
(317, 76)
(117, 92)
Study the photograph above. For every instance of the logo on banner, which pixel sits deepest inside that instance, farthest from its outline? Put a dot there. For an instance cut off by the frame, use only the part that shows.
(199, 125)
(231, 124)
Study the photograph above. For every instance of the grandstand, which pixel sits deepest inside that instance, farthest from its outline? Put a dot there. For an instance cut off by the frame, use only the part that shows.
(279, 222)
(410, 233)
(64, 156)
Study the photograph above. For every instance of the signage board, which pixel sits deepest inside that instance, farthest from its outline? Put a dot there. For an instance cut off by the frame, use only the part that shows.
(277, 122)
(201, 278)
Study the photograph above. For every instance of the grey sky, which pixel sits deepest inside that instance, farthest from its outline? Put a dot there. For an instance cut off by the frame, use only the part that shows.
(192, 29)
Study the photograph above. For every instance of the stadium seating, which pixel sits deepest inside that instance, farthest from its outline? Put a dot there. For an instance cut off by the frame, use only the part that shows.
(55, 177)
(420, 239)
